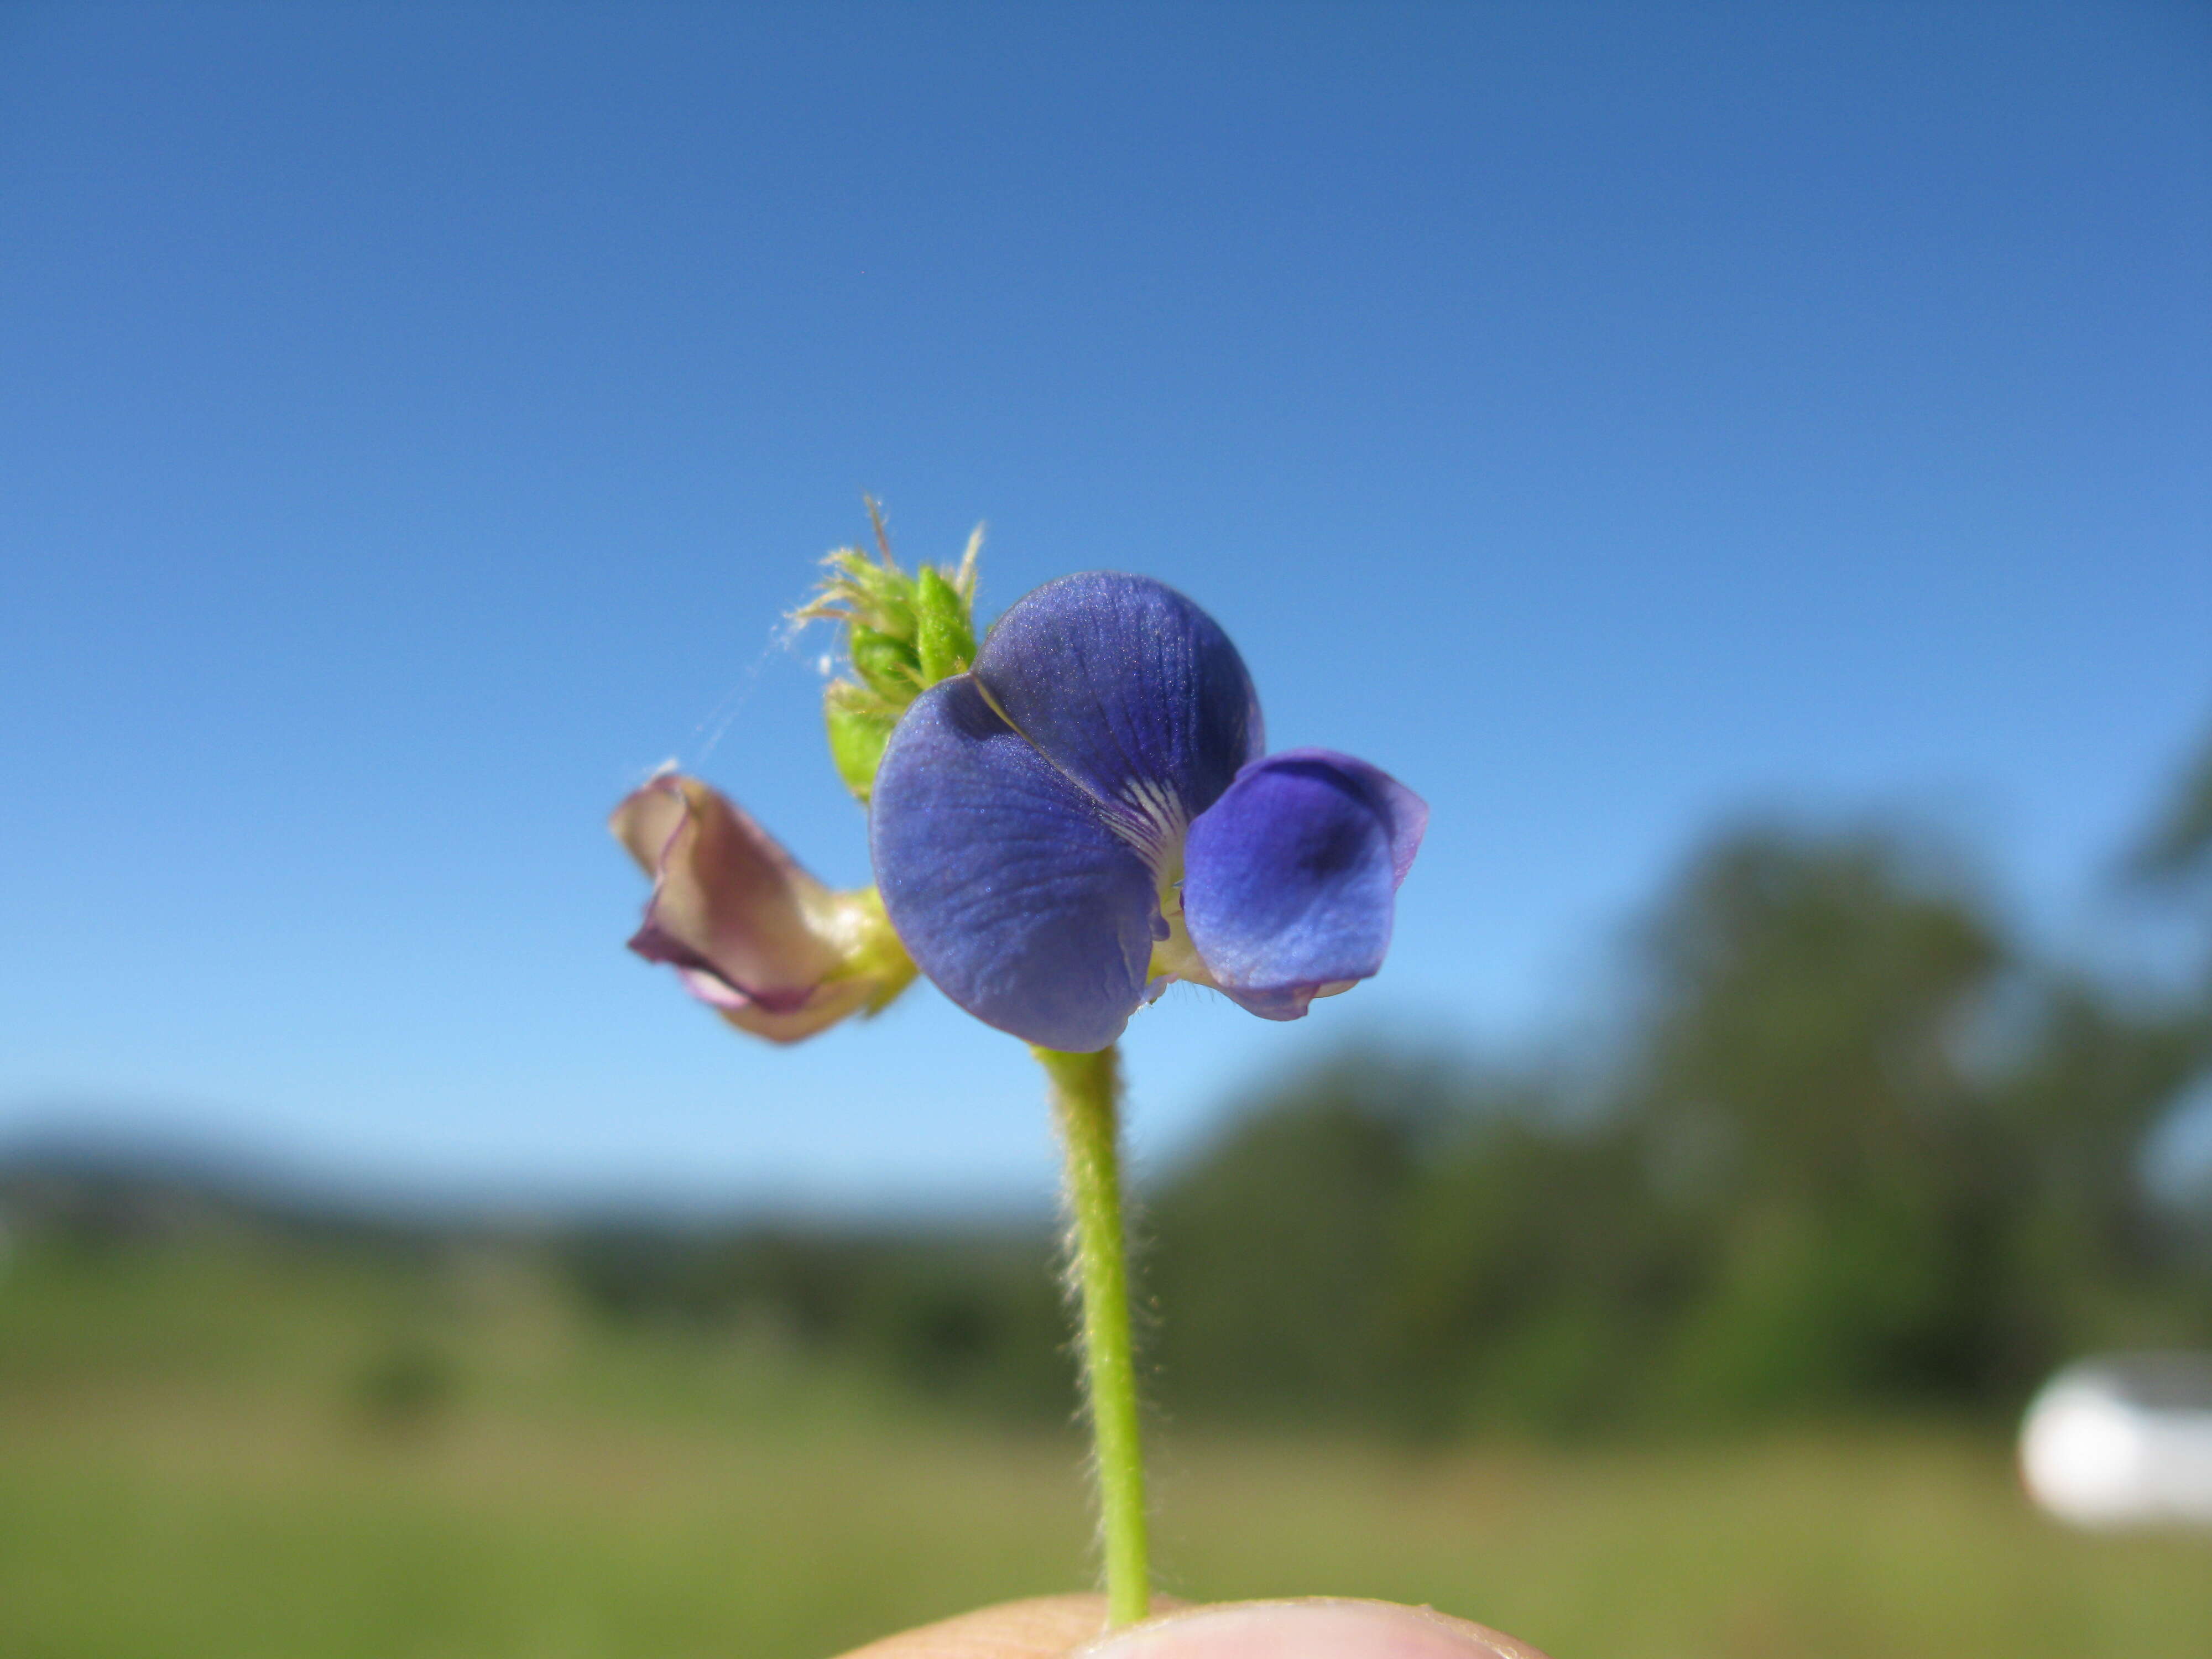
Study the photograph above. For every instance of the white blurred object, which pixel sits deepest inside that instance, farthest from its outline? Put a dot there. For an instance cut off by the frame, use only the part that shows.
(2123, 1440)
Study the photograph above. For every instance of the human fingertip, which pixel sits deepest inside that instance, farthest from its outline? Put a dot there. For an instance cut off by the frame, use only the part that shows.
(1310, 1629)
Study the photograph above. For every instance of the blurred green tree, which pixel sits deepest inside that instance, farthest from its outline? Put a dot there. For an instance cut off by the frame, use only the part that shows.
(1274, 1248)
(1800, 1092)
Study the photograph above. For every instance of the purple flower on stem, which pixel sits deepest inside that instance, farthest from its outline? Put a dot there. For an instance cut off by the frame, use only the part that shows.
(750, 934)
(1087, 815)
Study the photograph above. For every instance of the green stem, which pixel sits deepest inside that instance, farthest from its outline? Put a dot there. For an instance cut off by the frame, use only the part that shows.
(1086, 1090)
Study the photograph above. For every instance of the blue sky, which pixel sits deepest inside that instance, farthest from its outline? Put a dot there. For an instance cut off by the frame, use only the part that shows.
(413, 421)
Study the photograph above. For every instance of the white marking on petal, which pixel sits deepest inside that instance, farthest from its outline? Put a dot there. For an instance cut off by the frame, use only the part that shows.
(1156, 830)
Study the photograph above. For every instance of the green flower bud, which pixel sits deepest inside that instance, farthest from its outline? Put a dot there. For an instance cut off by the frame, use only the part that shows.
(887, 666)
(945, 638)
(859, 725)
(903, 634)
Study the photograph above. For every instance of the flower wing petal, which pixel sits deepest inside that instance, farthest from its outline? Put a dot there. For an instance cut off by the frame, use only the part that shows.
(727, 900)
(1290, 880)
(1131, 689)
(1003, 878)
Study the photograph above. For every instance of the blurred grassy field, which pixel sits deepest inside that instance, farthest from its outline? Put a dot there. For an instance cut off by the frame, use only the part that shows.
(222, 1450)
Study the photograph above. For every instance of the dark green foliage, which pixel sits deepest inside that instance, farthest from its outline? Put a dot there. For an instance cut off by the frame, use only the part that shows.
(962, 1318)
(1271, 1252)
(1802, 1071)
(406, 1386)
(1538, 1280)
(2180, 841)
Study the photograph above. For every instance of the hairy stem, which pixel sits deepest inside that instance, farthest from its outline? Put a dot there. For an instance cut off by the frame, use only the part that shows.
(1085, 1093)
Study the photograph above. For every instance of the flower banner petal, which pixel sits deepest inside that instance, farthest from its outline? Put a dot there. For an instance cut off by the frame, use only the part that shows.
(1129, 689)
(1290, 880)
(1003, 879)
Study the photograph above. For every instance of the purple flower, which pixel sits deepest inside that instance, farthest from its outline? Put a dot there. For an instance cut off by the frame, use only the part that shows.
(751, 935)
(1086, 815)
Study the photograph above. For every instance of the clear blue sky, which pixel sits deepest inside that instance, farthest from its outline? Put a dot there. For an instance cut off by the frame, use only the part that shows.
(415, 420)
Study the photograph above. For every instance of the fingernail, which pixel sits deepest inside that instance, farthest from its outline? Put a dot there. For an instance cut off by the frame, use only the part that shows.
(1299, 1630)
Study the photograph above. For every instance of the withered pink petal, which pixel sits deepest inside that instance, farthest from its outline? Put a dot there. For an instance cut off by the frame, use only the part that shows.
(704, 979)
(646, 820)
(827, 1005)
(727, 900)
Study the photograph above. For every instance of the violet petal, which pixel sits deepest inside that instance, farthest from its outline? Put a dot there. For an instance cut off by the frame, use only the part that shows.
(1128, 688)
(1290, 879)
(1003, 877)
